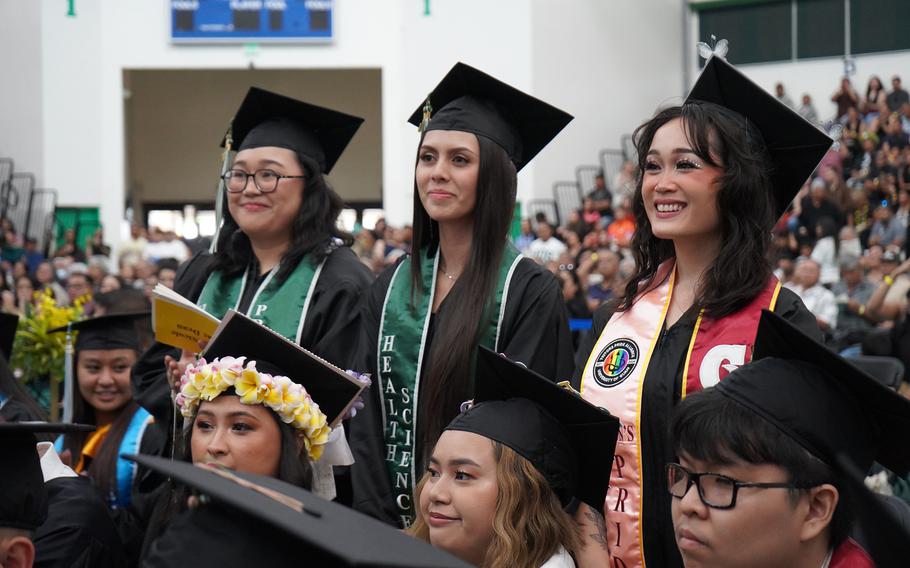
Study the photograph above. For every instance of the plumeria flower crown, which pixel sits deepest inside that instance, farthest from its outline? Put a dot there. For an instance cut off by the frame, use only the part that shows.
(290, 401)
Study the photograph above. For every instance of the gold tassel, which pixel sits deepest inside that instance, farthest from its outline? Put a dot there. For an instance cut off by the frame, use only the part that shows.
(427, 111)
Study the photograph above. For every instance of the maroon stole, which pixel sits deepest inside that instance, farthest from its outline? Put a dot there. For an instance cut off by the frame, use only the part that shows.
(614, 377)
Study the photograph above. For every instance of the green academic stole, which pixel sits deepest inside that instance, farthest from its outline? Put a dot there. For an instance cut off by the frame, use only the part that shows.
(400, 354)
(280, 307)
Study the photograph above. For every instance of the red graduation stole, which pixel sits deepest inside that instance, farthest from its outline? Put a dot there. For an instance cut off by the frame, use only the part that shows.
(614, 377)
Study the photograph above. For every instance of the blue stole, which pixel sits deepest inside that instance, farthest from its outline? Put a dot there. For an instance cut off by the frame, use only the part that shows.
(126, 470)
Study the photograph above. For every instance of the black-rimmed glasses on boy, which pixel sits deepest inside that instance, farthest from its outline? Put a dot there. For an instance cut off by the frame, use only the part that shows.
(715, 490)
(266, 180)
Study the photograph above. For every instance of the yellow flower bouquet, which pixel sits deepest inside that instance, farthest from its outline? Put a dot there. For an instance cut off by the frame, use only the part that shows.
(40, 355)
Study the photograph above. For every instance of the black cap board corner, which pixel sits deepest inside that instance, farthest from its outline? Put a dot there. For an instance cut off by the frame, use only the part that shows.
(115, 331)
(8, 325)
(329, 386)
(23, 497)
(297, 525)
(569, 440)
(469, 100)
(830, 407)
(265, 118)
(795, 145)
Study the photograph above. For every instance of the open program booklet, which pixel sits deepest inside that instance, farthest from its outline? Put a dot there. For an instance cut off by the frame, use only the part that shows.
(179, 322)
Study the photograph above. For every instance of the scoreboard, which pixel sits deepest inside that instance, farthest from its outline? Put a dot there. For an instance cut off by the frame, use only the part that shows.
(240, 21)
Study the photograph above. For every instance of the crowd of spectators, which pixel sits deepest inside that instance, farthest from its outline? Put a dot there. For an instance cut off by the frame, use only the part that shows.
(88, 273)
(842, 247)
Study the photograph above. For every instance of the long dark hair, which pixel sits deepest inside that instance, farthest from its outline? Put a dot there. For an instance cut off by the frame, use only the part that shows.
(725, 139)
(313, 230)
(451, 355)
(103, 468)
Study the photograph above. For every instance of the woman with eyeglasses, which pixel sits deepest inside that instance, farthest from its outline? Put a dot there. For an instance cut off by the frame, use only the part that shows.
(280, 257)
(715, 174)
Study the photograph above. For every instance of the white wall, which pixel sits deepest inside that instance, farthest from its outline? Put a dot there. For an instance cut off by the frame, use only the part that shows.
(20, 99)
(610, 64)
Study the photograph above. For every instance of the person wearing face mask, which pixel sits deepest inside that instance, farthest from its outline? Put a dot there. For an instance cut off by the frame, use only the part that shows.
(280, 256)
(505, 474)
(463, 284)
(716, 172)
(765, 480)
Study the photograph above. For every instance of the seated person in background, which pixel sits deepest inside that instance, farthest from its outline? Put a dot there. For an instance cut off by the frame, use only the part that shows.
(818, 299)
(545, 248)
(852, 293)
(601, 197)
(771, 472)
(507, 472)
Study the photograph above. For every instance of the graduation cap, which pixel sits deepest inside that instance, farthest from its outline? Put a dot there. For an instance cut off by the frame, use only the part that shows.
(8, 325)
(469, 100)
(795, 145)
(821, 400)
(884, 536)
(254, 520)
(103, 333)
(269, 119)
(567, 439)
(115, 331)
(23, 498)
(239, 336)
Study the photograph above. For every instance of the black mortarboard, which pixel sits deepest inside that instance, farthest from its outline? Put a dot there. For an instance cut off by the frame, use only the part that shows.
(567, 439)
(269, 119)
(8, 324)
(23, 498)
(116, 331)
(820, 400)
(882, 533)
(469, 100)
(253, 520)
(239, 336)
(795, 145)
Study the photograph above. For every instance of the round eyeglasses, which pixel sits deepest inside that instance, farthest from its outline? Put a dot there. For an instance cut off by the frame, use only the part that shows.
(715, 490)
(266, 180)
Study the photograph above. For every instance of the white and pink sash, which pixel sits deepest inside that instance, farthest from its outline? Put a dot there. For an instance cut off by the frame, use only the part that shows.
(614, 378)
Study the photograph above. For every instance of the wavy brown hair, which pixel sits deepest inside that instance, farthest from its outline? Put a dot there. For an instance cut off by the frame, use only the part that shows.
(529, 523)
(725, 139)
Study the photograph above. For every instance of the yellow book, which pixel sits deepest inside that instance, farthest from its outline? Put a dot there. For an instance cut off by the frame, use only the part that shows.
(179, 322)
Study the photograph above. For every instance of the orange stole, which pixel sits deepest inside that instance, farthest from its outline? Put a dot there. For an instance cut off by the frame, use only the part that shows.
(614, 379)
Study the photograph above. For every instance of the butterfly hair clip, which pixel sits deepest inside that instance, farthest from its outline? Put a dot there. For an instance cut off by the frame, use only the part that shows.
(719, 48)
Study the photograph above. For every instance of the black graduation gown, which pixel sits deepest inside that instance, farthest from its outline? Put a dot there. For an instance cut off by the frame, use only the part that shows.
(659, 396)
(534, 331)
(78, 532)
(328, 331)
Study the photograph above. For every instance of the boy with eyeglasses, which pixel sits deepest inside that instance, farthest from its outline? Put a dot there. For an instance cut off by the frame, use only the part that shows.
(768, 460)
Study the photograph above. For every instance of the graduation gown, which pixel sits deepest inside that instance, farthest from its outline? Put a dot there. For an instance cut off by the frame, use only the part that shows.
(534, 331)
(328, 330)
(660, 394)
(78, 532)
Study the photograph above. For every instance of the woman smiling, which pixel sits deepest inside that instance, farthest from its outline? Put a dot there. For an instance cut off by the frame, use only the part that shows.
(280, 257)
(462, 286)
(716, 173)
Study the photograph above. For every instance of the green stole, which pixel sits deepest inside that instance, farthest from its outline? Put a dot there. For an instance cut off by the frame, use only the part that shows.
(399, 359)
(280, 307)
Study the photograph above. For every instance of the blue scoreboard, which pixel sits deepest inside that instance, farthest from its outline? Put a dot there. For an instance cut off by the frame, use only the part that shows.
(251, 20)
